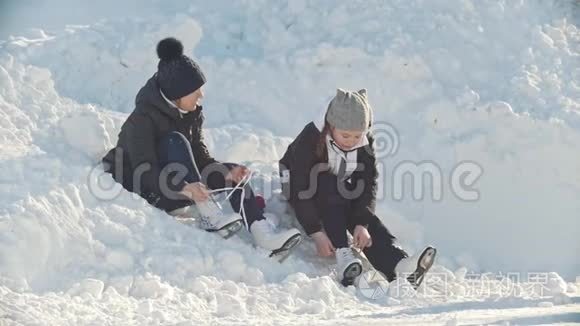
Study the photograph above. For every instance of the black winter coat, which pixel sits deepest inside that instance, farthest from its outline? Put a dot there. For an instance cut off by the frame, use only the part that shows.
(300, 159)
(152, 119)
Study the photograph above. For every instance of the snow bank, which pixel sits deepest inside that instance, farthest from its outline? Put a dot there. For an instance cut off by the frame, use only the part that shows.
(452, 82)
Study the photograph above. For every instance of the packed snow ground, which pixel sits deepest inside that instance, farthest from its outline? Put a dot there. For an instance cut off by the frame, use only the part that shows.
(491, 82)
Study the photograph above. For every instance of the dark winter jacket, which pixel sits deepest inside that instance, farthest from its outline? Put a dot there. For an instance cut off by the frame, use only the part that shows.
(298, 163)
(152, 119)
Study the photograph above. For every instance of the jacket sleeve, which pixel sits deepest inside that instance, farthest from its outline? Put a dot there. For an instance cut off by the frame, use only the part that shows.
(303, 200)
(142, 152)
(364, 207)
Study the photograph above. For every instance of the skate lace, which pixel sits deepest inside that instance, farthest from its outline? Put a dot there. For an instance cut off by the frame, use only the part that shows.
(242, 186)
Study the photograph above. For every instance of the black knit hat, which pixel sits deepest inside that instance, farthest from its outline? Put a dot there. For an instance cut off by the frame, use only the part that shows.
(177, 74)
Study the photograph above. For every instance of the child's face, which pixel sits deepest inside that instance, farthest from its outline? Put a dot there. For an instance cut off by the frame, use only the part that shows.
(190, 101)
(346, 139)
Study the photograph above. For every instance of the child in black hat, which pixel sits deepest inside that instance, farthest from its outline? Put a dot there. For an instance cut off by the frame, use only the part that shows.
(161, 155)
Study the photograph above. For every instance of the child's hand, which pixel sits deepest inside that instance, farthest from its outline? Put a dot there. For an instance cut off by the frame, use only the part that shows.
(323, 244)
(196, 191)
(238, 173)
(362, 238)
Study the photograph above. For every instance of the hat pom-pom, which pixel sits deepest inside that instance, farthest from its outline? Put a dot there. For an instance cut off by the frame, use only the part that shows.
(169, 48)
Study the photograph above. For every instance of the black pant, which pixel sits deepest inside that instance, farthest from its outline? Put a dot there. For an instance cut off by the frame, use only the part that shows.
(175, 148)
(335, 212)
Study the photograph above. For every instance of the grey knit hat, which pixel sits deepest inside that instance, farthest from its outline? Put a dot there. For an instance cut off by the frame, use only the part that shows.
(350, 110)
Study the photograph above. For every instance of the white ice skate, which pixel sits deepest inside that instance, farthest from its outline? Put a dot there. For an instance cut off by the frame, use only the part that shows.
(213, 219)
(279, 242)
(348, 266)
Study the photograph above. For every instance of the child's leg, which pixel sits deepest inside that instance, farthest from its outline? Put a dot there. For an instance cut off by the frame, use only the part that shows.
(383, 254)
(174, 148)
(333, 209)
(253, 212)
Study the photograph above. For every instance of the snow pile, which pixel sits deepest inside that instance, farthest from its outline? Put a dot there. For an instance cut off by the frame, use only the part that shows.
(455, 86)
(148, 299)
(493, 83)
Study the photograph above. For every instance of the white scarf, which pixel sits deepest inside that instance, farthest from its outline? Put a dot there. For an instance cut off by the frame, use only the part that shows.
(172, 104)
(336, 156)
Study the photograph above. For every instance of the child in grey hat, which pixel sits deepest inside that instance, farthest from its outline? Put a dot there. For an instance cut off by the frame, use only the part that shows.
(329, 176)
